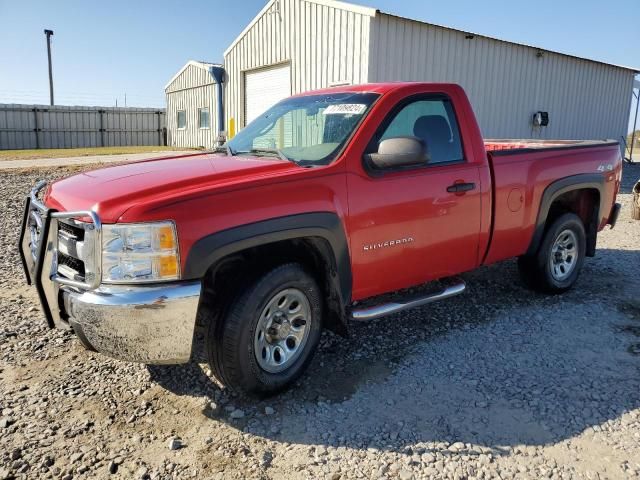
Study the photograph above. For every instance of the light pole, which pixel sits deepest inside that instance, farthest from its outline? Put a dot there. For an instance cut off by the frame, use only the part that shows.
(635, 122)
(49, 33)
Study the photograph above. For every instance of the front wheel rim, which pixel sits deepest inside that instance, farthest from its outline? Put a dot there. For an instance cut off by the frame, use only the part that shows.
(564, 255)
(282, 331)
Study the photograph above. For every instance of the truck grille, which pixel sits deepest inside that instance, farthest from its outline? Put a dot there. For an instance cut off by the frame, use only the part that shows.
(75, 264)
(71, 230)
(72, 250)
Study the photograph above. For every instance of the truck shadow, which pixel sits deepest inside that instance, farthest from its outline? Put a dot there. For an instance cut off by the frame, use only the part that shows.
(496, 367)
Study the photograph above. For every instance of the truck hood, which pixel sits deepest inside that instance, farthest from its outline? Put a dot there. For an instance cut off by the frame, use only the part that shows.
(111, 191)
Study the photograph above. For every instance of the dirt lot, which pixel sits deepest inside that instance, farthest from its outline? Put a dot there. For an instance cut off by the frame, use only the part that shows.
(496, 383)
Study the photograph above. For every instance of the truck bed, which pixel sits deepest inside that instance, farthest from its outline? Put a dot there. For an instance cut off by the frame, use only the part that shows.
(522, 171)
(520, 145)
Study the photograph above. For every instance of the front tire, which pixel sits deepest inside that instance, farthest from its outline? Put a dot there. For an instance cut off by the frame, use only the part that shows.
(269, 333)
(557, 264)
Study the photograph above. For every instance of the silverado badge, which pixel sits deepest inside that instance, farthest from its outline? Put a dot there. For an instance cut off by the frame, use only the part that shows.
(389, 243)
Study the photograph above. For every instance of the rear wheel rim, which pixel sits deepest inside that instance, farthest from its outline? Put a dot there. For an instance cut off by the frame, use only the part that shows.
(564, 255)
(282, 331)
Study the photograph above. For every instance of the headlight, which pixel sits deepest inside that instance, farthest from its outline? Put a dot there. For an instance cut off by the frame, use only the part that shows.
(140, 252)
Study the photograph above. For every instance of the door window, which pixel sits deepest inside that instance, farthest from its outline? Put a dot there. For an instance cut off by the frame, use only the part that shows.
(433, 121)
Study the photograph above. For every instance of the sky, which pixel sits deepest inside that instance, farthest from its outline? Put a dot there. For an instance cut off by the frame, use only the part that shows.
(103, 51)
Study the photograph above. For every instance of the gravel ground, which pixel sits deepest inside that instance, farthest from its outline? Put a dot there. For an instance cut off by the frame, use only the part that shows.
(496, 383)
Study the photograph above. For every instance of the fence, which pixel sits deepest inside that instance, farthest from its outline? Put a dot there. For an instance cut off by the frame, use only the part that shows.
(42, 126)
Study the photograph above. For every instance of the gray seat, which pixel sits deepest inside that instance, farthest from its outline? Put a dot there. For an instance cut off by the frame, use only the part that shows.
(435, 131)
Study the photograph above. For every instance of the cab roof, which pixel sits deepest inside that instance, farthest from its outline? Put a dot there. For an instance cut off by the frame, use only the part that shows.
(379, 88)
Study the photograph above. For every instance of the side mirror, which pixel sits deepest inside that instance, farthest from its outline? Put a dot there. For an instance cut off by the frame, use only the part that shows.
(399, 152)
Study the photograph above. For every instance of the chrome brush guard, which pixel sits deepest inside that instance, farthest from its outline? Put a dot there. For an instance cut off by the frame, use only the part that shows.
(45, 241)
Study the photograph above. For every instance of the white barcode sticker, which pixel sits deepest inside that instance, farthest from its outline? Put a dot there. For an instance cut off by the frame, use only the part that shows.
(345, 109)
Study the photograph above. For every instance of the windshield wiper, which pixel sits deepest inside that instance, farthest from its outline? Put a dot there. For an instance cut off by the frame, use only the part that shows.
(275, 151)
(225, 149)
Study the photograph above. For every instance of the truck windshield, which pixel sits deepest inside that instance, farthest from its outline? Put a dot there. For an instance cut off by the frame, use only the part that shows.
(308, 130)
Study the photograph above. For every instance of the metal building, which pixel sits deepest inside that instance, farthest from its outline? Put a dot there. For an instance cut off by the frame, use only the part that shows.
(192, 105)
(298, 45)
(293, 46)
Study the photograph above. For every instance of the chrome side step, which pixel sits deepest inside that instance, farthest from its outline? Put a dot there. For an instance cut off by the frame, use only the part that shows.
(373, 313)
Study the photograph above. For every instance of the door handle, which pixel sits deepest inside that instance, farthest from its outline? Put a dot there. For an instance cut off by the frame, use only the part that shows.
(461, 187)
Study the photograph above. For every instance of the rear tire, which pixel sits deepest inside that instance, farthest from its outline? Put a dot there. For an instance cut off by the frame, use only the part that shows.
(269, 333)
(557, 264)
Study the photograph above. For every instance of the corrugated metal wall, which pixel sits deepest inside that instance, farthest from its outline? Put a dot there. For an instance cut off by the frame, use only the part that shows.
(43, 126)
(325, 44)
(506, 83)
(191, 90)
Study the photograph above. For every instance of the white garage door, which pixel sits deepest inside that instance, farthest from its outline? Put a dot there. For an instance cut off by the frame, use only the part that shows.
(264, 88)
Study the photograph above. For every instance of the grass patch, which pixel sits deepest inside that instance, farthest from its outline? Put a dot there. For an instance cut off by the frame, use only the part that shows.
(80, 152)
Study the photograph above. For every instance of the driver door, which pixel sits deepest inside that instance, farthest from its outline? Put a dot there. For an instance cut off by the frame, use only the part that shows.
(412, 225)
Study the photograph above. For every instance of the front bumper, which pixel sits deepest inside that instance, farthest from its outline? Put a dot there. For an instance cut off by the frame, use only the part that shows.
(152, 323)
(148, 324)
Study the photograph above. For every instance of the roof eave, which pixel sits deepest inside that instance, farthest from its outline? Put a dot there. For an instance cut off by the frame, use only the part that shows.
(191, 63)
(624, 67)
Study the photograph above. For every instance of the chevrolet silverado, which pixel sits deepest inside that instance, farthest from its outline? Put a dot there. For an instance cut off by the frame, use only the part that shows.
(305, 220)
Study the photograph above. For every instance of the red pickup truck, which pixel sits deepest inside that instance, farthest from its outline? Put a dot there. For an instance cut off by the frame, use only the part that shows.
(303, 221)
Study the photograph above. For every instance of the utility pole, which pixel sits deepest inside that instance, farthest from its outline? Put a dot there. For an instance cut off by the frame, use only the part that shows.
(49, 33)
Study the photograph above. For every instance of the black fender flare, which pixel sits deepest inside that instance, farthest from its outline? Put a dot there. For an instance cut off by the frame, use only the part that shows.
(209, 250)
(559, 187)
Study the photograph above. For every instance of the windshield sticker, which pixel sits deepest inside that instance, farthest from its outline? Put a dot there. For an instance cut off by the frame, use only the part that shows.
(345, 109)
